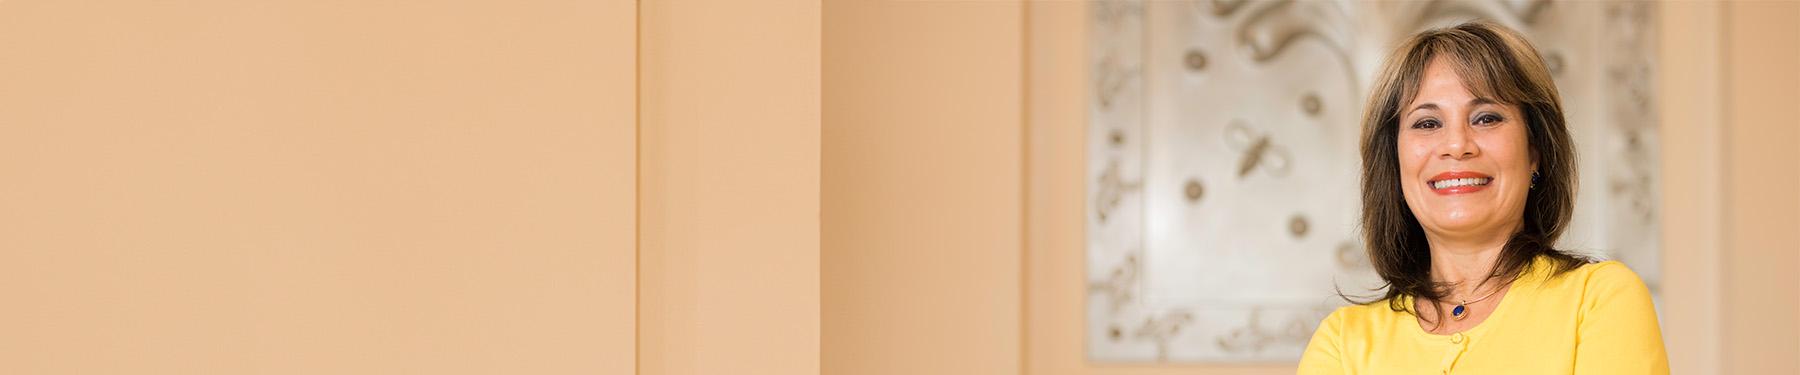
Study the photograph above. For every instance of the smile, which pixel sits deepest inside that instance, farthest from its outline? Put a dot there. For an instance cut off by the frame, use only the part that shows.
(1459, 182)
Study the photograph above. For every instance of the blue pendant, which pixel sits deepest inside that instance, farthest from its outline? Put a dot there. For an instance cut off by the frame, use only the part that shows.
(1458, 312)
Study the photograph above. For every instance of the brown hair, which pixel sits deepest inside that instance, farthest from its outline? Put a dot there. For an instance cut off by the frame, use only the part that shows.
(1497, 63)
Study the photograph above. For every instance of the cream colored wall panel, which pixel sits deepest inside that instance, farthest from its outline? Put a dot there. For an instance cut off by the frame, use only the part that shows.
(922, 183)
(1692, 54)
(231, 187)
(729, 215)
(1762, 222)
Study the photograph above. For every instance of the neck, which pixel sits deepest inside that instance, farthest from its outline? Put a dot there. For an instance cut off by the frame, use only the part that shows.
(1466, 261)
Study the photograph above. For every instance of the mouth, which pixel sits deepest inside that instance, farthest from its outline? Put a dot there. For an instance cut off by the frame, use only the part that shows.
(1458, 182)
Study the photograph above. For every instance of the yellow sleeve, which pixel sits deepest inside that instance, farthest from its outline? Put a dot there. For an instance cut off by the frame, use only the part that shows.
(1323, 354)
(1617, 330)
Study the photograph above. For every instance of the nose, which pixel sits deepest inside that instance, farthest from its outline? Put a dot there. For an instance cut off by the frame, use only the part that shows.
(1458, 143)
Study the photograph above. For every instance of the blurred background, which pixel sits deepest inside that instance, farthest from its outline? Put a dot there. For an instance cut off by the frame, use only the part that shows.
(805, 187)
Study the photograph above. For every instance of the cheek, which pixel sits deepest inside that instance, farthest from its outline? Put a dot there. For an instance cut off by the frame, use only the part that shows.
(1412, 161)
(1412, 155)
(1513, 151)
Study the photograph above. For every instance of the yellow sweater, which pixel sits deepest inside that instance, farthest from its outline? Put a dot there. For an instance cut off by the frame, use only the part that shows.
(1596, 319)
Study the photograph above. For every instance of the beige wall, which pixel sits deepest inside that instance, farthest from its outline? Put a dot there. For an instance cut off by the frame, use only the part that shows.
(1761, 270)
(1692, 58)
(729, 167)
(227, 187)
(921, 190)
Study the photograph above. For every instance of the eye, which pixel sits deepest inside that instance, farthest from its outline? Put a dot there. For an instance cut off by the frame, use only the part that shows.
(1427, 124)
(1488, 118)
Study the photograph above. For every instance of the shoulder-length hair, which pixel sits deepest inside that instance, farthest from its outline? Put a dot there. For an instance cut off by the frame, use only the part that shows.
(1496, 63)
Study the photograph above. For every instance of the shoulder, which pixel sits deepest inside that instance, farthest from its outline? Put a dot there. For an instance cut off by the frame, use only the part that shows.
(1375, 310)
(1351, 323)
(1350, 332)
(1325, 352)
(1367, 317)
(1615, 320)
(1604, 285)
(1604, 276)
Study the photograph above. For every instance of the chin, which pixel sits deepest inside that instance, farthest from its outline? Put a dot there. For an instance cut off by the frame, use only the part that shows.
(1460, 221)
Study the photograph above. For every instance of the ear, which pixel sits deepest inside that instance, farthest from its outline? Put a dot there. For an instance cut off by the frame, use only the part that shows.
(1534, 155)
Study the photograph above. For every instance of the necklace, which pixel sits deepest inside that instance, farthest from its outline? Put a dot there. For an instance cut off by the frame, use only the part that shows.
(1462, 309)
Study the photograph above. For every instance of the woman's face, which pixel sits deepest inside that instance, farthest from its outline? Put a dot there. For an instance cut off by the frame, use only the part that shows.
(1465, 165)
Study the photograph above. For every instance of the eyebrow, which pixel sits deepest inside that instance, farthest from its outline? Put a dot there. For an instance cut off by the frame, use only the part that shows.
(1472, 103)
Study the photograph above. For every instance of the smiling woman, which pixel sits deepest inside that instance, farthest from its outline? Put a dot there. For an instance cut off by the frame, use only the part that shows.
(1468, 181)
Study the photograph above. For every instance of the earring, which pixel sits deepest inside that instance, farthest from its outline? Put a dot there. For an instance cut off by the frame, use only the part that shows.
(1534, 179)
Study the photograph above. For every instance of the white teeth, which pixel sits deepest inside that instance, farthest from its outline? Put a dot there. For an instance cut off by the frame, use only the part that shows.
(1455, 182)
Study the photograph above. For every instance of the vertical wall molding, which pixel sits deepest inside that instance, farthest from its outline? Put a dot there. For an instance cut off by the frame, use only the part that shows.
(1693, 165)
(921, 187)
(1760, 290)
(729, 159)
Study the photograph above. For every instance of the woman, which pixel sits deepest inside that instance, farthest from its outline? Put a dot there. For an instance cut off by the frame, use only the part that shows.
(1468, 180)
